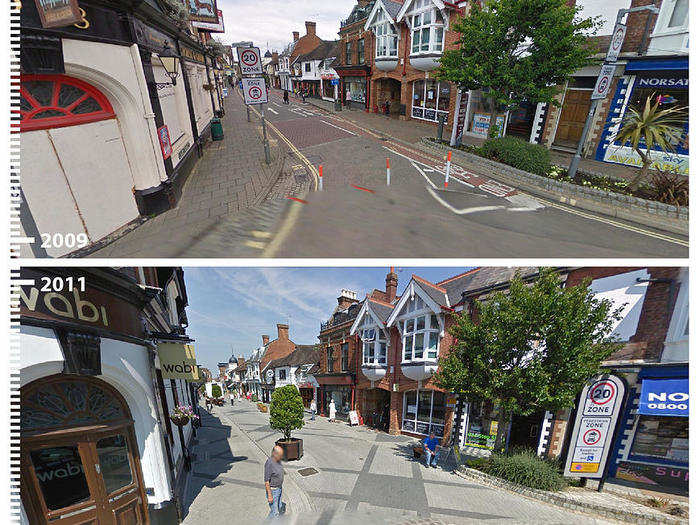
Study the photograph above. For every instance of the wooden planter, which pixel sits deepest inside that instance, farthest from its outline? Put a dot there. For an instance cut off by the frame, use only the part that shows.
(180, 421)
(262, 407)
(293, 449)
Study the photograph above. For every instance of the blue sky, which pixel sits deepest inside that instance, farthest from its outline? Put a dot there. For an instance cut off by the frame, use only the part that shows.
(233, 307)
(269, 23)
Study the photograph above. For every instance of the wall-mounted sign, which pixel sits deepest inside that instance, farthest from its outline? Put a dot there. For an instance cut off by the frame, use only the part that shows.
(598, 411)
(602, 85)
(667, 476)
(616, 41)
(254, 91)
(664, 397)
(58, 13)
(177, 361)
(249, 60)
(191, 54)
(164, 138)
(482, 122)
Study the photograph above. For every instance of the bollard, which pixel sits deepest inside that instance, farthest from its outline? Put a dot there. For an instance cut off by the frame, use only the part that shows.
(247, 110)
(266, 144)
(447, 167)
(441, 125)
(320, 177)
(388, 172)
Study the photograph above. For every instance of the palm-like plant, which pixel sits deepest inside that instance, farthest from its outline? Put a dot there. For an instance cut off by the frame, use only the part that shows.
(649, 127)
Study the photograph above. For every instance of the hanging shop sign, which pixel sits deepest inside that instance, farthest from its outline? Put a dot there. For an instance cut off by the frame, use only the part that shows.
(177, 361)
(203, 11)
(254, 91)
(598, 412)
(602, 85)
(249, 60)
(164, 138)
(618, 37)
(58, 13)
(212, 28)
(664, 397)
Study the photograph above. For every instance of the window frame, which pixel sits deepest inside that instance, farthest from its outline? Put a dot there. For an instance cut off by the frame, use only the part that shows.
(426, 6)
(384, 32)
(361, 51)
(379, 356)
(413, 316)
(329, 359)
(344, 357)
(348, 53)
(415, 420)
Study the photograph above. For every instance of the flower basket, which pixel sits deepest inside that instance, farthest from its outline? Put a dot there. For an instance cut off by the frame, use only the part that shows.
(208, 87)
(182, 414)
(179, 421)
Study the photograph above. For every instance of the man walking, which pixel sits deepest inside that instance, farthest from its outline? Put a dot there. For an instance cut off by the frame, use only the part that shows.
(432, 454)
(231, 396)
(273, 478)
(285, 97)
(313, 409)
(208, 402)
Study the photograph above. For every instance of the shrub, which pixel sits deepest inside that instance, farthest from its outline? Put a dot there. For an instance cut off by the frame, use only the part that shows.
(527, 469)
(215, 391)
(517, 153)
(254, 398)
(286, 410)
(669, 187)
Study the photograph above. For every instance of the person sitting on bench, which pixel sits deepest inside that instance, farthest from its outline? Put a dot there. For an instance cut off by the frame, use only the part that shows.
(432, 454)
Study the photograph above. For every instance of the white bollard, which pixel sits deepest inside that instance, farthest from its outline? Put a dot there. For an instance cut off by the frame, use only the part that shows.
(388, 172)
(320, 177)
(447, 167)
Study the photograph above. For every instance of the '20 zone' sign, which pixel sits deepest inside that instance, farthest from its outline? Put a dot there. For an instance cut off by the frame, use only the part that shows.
(598, 410)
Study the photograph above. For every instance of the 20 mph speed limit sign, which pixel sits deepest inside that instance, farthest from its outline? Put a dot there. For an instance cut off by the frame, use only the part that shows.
(254, 91)
(249, 60)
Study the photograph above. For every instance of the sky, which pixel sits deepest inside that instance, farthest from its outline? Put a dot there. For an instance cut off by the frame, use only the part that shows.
(231, 308)
(269, 23)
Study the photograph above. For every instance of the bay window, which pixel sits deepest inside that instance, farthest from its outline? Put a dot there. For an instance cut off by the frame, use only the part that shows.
(423, 412)
(427, 28)
(420, 333)
(373, 343)
(387, 39)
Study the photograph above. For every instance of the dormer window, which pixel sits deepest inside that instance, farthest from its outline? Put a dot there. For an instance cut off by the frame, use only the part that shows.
(373, 342)
(427, 28)
(387, 39)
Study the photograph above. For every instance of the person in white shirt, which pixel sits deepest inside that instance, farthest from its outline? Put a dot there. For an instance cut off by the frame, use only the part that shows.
(331, 411)
(313, 409)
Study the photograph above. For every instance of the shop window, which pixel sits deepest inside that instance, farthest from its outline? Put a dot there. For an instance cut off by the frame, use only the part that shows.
(54, 101)
(661, 437)
(423, 412)
(427, 28)
(357, 87)
(386, 38)
(420, 333)
(430, 99)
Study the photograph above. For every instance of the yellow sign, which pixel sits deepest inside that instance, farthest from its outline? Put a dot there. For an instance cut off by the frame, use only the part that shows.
(177, 361)
(584, 467)
(493, 429)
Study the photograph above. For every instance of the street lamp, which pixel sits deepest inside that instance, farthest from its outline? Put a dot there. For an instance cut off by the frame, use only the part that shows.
(169, 60)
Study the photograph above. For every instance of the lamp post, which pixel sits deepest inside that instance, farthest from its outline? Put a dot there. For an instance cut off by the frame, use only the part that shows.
(169, 59)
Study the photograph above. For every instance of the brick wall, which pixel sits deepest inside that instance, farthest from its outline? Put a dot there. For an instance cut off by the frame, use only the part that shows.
(280, 347)
(338, 335)
(636, 26)
(306, 43)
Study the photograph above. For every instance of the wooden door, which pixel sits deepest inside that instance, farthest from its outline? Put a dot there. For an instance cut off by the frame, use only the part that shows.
(574, 111)
(91, 478)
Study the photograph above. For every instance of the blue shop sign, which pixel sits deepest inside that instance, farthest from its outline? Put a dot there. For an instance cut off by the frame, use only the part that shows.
(664, 397)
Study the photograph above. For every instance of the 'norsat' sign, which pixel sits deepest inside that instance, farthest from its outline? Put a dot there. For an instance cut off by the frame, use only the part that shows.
(598, 411)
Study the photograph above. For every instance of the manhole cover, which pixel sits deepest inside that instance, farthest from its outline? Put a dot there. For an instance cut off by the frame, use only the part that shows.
(308, 471)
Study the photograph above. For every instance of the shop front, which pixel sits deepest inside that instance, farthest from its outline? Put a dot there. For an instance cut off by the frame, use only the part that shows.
(666, 82)
(375, 405)
(424, 412)
(308, 393)
(340, 389)
(354, 82)
(430, 100)
(653, 450)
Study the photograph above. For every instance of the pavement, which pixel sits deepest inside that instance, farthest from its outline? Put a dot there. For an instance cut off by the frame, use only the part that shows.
(347, 475)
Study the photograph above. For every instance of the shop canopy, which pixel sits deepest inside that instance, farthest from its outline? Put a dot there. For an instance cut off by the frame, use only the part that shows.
(664, 397)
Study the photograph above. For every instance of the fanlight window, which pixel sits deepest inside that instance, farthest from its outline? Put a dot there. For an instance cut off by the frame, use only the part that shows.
(68, 403)
(54, 101)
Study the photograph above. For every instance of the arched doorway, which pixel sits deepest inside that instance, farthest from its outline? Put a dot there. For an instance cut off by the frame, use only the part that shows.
(76, 175)
(78, 455)
(389, 90)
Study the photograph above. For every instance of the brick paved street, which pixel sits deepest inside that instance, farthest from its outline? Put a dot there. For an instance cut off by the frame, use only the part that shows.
(361, 476)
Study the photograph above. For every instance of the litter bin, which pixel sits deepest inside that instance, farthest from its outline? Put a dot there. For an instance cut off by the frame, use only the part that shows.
(217, 130)
(338, 105)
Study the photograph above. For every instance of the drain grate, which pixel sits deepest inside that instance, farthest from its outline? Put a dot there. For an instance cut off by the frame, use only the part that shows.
(308, 471)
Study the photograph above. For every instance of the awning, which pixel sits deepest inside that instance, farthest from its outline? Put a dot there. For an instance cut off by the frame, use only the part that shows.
(664, 397)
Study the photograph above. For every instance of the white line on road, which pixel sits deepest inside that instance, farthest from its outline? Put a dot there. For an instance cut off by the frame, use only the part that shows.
(338, 127)
(463, 211)
(270, 109)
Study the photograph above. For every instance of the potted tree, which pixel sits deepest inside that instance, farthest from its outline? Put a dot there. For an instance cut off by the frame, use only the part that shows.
(287, 414)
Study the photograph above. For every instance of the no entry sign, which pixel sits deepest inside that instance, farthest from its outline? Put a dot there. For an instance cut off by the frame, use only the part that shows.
(602, 85)
(249, 60)
(254, 91)
(598, 411)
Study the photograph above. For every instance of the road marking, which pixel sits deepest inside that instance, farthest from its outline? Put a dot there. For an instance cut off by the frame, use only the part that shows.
(255, 244)
(260, 235)
(270, 109)
(338, 127)
(463, 211)
(361, 188)
(284, 230)
(298, 200)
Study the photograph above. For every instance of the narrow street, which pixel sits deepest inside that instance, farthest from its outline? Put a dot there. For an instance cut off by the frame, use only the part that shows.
(357, 476)
(234, 205)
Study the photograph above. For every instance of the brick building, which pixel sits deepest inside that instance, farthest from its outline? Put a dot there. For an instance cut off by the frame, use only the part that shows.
(258, 380)
(301, 46)
(339, 357)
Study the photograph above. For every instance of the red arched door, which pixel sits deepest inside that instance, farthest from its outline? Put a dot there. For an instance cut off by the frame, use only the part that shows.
(79, 459)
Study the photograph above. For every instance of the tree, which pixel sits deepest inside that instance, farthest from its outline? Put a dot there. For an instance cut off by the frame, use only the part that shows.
(215, 391)
(286, 410)
(531, 348)
(649, 127)
(516, 50)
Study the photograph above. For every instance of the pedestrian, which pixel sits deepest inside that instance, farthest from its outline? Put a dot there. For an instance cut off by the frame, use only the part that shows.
(430, 446)
(331, 411)
(232, 396)
(273, 478)
(208, 403)
(313, 409)
(348, 98)
(303, 95)
(285, 97)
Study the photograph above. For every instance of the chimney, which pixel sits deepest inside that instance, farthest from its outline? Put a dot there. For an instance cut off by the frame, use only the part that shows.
(346, 298)
(283, 332)
(266, 339)
(310, 28)
(295, 35)
(392, 282)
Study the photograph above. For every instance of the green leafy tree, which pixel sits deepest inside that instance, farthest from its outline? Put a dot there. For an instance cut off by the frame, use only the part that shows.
(516, 50)
(531, 348)
(215, 391)
(286, 410)
(649, 127)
